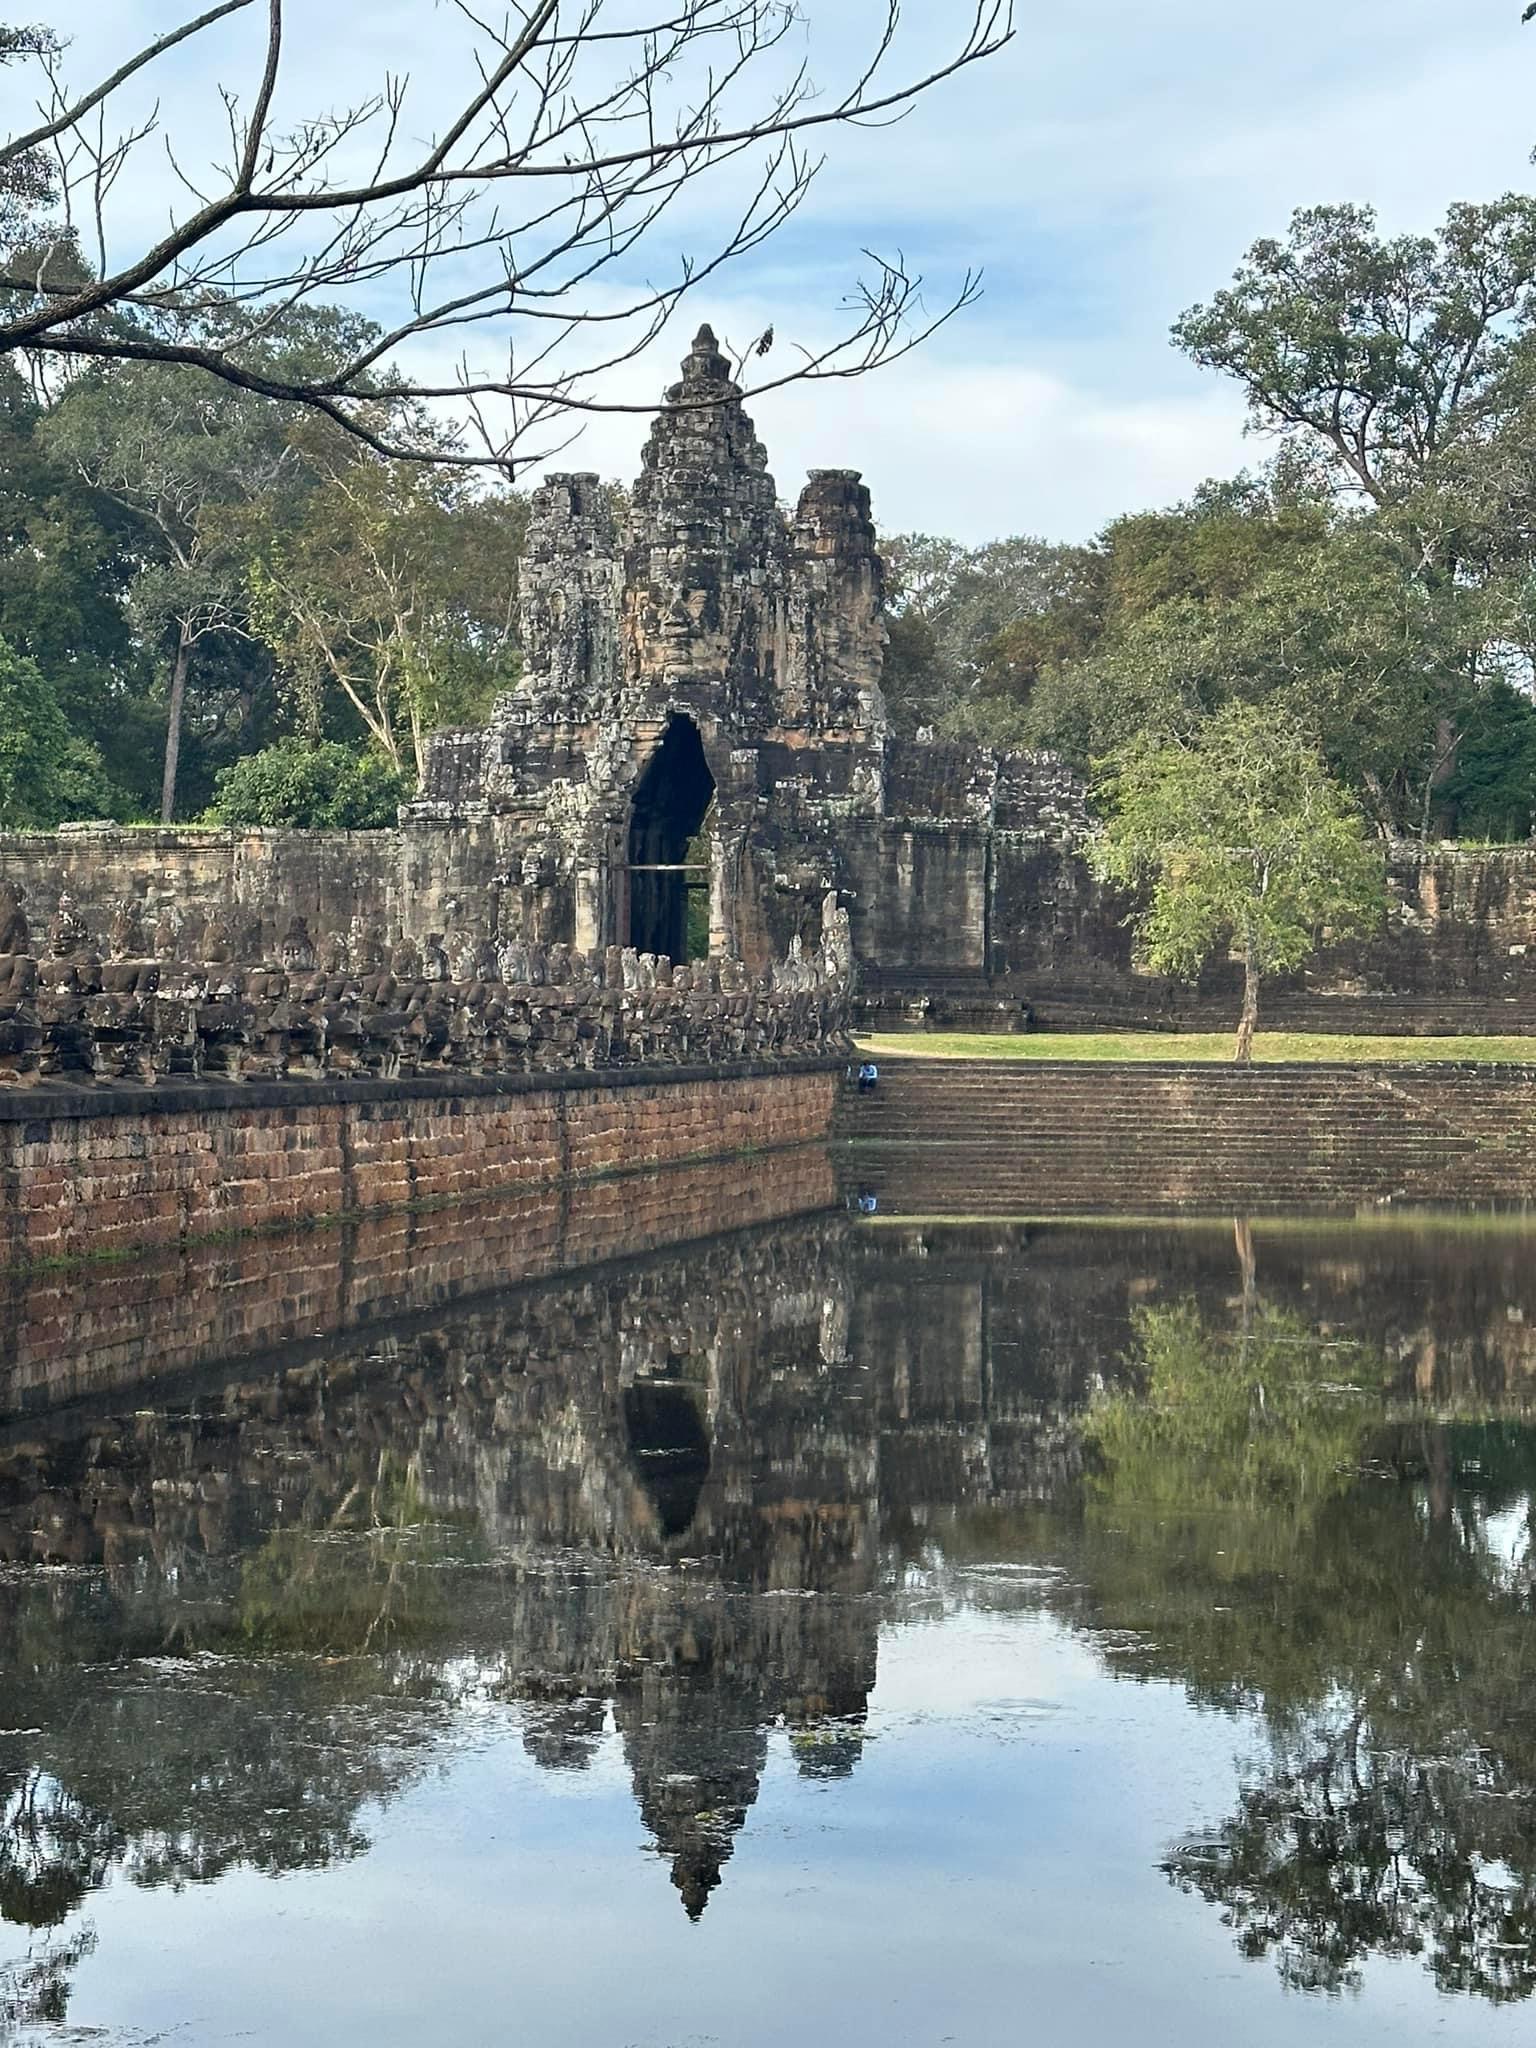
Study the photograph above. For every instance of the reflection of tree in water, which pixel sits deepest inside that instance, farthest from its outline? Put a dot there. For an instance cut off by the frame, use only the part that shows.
(572, 1505)
(173, 1775)
(282, 1590)
(53, 1850)
(163, 1750)
(1344, 1847)
(358, 1582)
(1276, 1547)
(35, 1991)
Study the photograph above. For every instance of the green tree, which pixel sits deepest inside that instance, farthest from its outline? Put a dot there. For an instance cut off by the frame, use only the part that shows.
(1401, 373)
(396, 593)
(176, 453)
(1201, 555)
(315, 785)
(1323, 616)
(68, 557)
(34, 746)
(201, 468)
(949, 605)
(1238, 837)
(1378, 355)
(1491, 791)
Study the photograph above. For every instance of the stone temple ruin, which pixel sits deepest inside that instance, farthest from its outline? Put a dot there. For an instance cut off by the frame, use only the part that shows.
(696, 762)
(699, 754)
(701, 721)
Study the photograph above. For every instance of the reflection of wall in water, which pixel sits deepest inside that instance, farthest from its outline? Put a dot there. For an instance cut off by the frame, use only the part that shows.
(534, 1420)
(634, 1406)
(758, 1412)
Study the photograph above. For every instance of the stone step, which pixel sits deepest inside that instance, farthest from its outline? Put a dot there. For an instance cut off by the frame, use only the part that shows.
(968, 1137)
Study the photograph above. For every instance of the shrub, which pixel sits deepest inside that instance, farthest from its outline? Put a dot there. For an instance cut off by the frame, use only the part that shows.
(313, 785)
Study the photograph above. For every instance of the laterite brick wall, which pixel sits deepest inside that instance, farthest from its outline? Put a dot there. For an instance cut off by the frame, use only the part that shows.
(87, 1173)
(81, 1331)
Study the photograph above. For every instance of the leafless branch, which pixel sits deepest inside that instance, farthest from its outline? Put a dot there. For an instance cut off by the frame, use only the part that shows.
(576, 136)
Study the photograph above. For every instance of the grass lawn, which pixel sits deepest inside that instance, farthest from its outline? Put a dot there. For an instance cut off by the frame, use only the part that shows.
(1271, 1047)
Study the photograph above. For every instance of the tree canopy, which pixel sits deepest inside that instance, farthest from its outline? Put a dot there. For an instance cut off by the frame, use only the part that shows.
(179, 558)
(1376, 580)
(199, 572)
(393, 595)
(315, 785)
(1380, 357)
(34, 744)
(1237, 838)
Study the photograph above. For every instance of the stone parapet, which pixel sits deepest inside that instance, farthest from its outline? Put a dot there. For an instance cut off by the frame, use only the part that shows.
(518, 1010)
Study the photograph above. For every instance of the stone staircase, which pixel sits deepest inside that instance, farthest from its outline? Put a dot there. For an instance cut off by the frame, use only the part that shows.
(1048, 1137)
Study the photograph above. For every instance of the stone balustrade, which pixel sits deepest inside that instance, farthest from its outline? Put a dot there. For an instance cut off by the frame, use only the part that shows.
(70, 1017)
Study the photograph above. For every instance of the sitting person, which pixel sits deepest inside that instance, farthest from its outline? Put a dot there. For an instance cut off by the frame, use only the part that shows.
(869, 1074)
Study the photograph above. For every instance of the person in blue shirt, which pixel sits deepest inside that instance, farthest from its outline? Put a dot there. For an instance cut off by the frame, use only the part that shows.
(869, 1074)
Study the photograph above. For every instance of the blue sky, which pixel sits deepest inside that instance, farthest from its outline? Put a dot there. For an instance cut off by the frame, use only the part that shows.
(1107, 170)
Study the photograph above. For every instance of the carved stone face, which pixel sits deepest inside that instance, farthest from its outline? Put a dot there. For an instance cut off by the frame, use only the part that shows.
(126, 939)
(297, 951)
(68, 934)
(463, 952)
(14, 934)
(365, 947)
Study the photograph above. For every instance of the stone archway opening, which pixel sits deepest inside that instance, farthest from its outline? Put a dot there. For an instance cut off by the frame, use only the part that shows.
(667, 878)
(669, 1444)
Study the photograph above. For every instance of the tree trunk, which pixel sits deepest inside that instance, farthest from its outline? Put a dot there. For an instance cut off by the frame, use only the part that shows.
(418, 743)
(1437, 1457)
(1248, 1265)
(1248, 1022)
(1247, 1262)
(173, 725)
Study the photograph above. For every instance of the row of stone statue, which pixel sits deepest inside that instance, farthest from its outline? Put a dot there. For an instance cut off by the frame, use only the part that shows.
(74, 1017)
(250, 939)
(364, 949)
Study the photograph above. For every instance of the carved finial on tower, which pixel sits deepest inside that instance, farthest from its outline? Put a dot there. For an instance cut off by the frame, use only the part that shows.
(704, 364)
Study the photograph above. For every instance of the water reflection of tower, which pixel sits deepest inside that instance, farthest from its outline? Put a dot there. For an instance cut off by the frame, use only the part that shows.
(778, 1471)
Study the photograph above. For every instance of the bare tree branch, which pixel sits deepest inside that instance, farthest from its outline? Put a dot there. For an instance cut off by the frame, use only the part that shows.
(609, 123)
(68, 117)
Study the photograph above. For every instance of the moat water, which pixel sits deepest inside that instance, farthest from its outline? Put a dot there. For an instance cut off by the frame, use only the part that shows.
(836, 1630)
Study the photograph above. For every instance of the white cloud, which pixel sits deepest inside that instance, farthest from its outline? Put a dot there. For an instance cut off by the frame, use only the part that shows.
(1107, 170)
(986, 449)
(971, 449)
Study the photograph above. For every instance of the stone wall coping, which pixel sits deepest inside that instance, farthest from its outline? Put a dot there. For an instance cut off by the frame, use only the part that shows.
(1409, 852)
(192, 838)
(27, 1103)
(1412, 852)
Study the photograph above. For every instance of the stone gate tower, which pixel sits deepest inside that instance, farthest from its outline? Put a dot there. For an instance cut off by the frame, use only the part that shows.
(700, 709)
